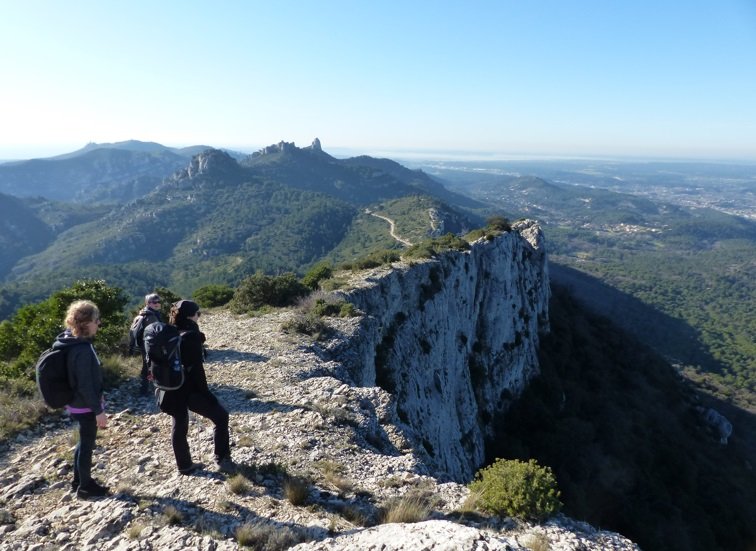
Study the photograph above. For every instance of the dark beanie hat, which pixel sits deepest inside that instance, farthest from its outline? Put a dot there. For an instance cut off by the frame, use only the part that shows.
(187, 308)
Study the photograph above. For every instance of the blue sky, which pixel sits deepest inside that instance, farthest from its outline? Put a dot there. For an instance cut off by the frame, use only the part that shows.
(431, 78)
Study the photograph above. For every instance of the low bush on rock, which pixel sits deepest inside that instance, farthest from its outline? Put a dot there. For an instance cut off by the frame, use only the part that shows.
(259, 535)
(513, 488)
(433, 247)
(261, 290)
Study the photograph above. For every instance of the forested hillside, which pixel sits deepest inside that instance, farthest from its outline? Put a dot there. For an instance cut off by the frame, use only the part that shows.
(627, 440)
(217, 220)
(93, 174)
(681, 278)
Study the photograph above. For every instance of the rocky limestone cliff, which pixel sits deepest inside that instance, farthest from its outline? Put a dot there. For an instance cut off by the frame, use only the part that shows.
(454, 340)
(209, 161)
(310, 411)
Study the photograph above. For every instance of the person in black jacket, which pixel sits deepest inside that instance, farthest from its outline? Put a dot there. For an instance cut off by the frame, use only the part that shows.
(147, 315)
(194, 395)
(85, 377)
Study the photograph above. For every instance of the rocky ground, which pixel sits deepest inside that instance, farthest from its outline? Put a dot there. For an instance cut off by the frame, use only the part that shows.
(320, 466)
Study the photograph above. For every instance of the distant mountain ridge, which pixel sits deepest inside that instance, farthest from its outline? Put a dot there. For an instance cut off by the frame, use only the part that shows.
(134, 145)
(97, 174)
(105, 172)
(215, 219)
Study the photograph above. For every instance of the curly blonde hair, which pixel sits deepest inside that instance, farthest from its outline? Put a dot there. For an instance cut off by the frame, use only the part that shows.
(79, 314)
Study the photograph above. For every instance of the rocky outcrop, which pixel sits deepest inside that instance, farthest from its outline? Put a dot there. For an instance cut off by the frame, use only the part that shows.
(454, 340)
(717, 422)
(280, 147)
(209, 161)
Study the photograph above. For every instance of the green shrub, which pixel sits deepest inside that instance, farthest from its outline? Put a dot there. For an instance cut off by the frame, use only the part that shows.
(209, 296)
(373, 260)
(117, 368)
(20, 408)
(347, 310)
(474, 235)
(305, 323)
(518, 489)
(432, 247)
(33, 327)
(499, 223)
(111, 302)
(333, 283)
(319, 304)
(261, 290)
(316, 274)
(324, 307)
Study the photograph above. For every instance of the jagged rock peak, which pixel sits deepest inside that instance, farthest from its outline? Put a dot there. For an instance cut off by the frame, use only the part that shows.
(280, 147)
(210, 160)
(287, 147)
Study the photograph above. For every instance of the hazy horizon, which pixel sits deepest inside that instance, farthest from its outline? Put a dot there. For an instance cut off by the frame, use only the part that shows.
(495, 78)
(418, 155)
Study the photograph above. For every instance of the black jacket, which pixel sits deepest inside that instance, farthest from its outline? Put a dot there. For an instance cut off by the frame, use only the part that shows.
(84, 371)
(192, 356)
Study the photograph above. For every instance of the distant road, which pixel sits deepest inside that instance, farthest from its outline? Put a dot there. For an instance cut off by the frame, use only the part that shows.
(392, 227)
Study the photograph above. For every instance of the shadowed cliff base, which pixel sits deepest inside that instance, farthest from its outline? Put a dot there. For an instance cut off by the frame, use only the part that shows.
(670, 337)
(630, 450)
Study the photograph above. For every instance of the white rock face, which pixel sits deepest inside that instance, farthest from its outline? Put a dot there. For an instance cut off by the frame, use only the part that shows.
(454, 340)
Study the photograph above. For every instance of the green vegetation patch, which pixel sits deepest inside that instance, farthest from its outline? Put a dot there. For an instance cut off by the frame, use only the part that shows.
(433, 247)
(520, 489)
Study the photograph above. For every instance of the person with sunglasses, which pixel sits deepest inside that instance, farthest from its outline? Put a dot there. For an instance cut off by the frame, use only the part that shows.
(85, 378)
(194, 395)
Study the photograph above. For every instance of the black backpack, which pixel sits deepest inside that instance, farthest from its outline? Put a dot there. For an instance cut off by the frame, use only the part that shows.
(52, 376)
(162, 346)
(138, 325)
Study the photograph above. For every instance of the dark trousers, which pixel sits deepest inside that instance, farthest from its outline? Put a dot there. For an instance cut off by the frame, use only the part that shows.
(206, 405)
(85, 447)
(143, 382)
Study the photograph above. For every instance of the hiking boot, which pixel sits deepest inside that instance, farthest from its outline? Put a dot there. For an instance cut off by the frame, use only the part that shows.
(227, 465)
(74, 485)
(194, 467)
(93, 489)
